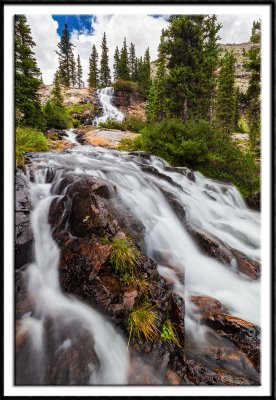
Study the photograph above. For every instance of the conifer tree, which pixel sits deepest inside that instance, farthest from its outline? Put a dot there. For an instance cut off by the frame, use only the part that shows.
(93, 75)
(226, 95)
(27, 75)
(156, 99)
(105, 78)
(116, 65)
(143, 73)
(79, 73)
(124, 66)
(253, 65)
(66, 62)
(132, 61)
(56, 96)
(72, 70)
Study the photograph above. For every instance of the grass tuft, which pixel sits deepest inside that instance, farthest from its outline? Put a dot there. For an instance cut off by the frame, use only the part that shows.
(142, 322)
(28, 139)
(124, 256)
(168, 332)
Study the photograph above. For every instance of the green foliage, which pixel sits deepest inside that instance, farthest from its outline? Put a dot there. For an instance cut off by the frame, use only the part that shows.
(77, 108)
(168, 332)
(79, 73)
(105, 78)
(132, 280)
(124, 256)
(56, 117)
(93, 75)
(28, 139)
(27, 76)
(124, 72)
(142, 322)
(200, 146)
(67, 64)
(132, 124)
(226, 95)
(125, 86)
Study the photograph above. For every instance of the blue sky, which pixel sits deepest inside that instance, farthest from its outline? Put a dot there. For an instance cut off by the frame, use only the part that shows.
(78, 22)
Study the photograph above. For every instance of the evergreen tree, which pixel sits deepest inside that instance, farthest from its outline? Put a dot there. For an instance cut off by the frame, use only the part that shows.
(157, 94)
(132, 62)
(143, 73)
(209, 65)
(66, 59)
(226, 94)
(124, 67)
(27, 76)
(116, 64)
(79, 73)
(72, 70)
(253, 65)
(105, 78)
(183, 47)
(56, 96)
(93, 76)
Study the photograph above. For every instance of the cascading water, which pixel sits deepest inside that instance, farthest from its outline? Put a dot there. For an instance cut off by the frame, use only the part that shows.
(70, 321)
(71, 136)
(109, 110)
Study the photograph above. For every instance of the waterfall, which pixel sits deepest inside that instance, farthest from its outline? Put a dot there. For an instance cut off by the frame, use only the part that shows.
(142, 184)
(70, 319)
(109, 110)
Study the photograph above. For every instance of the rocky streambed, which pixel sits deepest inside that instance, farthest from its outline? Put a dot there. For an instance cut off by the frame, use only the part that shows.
(194, 281)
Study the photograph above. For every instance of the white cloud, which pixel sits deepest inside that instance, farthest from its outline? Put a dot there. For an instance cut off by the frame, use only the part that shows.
(236, 28)
(142, 30)
(44, 33)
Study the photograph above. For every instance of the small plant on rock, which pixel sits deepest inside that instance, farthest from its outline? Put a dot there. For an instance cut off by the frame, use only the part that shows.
(124, 256)
(142, 322)
(168, 332)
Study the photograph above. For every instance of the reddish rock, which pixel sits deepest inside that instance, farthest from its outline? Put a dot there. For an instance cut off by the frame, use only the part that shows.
(205, 304)
(173, 378)
(247, 266)
(129, 297)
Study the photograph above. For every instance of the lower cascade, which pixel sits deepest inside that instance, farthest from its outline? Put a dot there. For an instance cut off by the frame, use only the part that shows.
(199, 245)
(108, 109)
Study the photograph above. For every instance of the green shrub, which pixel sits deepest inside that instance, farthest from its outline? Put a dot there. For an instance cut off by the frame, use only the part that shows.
(56, 117)
(200, 146)
(125, 86)
(142, 322)
(132, 124)
(28, 139)
(124, 256)
(77, 108)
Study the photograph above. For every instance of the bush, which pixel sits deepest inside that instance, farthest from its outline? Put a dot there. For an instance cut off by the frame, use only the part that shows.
(56, 117)
(77, 108)
(125, 86)
(199, 146)
(132, 124)
(28, 139)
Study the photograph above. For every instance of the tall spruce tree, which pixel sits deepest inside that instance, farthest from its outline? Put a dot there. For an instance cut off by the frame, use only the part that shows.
(183, 47)
(116, 65)
(132, 60)
(105, 77)
(66, 59)
(79, 73)
(72, 70)
(253, 65)
(27, 76)
(143, 73)
(124, 66)
(226, 95)
(93, 75)
(157, 94)
(56, 95)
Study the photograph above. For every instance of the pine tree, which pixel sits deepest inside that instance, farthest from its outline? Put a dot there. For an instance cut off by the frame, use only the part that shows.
(124, 67)
(210, 62)
(79, 73)
(132, 62)
(253, 65)
(93, 76)
(72, 70)
(183, 47)
(143, 73)
(226, 95)
(56, 96)
(156, 98)
(116, 65)
(27, 76)
(105, 78)
(66, 63)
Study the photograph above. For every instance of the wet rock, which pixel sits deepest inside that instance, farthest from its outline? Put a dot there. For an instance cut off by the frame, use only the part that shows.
(23, 231)
(209, 244)
(205, 304)
(24, 304)
(129, 222)
(254, 201)
(183, 171)
(129, 297)
(175, 204)
(246, 265)
(244, 334)
(153, 171)
(55, 134)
